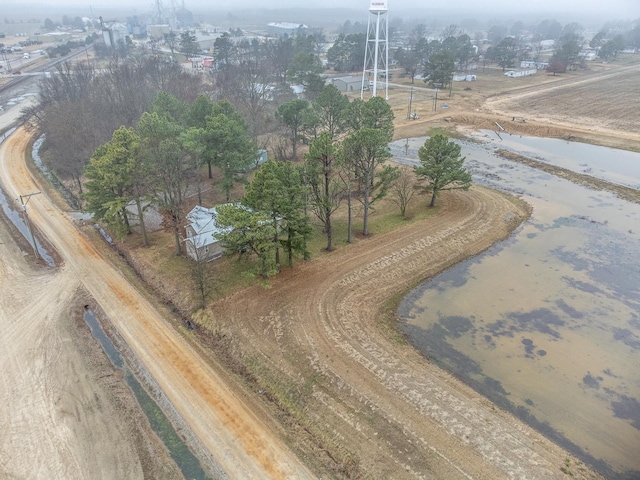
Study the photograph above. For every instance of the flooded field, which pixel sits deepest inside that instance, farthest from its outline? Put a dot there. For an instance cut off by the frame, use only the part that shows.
(547, 324)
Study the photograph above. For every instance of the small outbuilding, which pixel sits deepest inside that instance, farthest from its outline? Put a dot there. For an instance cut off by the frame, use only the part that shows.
(349, 84)
(202, 243)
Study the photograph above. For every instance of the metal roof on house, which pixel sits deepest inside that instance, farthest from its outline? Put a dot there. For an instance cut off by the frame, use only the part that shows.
(203, 222)
(349, 79)
(202, 219)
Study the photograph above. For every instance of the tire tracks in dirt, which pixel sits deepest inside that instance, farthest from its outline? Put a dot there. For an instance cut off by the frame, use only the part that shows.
(381, 405)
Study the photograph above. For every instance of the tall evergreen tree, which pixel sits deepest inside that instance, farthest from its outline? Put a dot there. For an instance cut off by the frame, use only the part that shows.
(277, 191)
(364, 150)
(243, 230)
(228, 145)
(367, 149)
(292, 115)
(112, 178)
(324, 188)
(442, 167)
(330, 107)
(168, 164)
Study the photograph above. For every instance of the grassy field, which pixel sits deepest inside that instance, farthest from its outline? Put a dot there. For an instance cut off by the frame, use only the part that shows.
(609, 102)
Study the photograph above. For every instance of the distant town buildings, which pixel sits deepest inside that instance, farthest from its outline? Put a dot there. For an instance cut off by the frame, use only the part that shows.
(275, 29)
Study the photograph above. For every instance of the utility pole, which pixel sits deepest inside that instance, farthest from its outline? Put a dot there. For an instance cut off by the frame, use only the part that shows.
(410, 101)
(4, 54)
(26, 220)
(435, 99)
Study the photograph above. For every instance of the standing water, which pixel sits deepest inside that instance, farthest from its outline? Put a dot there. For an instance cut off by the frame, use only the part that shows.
(186, 461)
(547, 323)
(11, 211)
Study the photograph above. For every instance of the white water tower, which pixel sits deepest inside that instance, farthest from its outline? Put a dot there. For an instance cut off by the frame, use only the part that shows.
(376, 53)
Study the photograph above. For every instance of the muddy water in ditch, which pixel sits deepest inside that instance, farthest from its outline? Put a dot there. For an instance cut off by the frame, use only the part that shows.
(547, 323)
(184, 458)
(12, 211)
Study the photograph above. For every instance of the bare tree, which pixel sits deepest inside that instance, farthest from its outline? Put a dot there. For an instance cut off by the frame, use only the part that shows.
(247, 85)
(404, 189)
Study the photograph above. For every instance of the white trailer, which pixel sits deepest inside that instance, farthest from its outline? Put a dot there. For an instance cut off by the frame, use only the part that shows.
(520, 73)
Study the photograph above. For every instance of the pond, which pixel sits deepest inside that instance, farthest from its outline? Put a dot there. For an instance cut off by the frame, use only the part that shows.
(547, 323)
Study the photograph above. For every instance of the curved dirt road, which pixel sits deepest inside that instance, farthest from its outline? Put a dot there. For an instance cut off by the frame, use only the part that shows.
(386, 410)
(238, 441)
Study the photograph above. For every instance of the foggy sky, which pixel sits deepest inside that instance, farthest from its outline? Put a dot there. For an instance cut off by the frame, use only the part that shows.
(603, 9)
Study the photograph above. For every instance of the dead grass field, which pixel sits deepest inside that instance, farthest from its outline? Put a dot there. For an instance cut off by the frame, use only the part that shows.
(610, 101)
(600, 105)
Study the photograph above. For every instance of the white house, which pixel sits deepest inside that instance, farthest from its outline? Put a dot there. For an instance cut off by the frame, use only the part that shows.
(201, 242)
(534, 64)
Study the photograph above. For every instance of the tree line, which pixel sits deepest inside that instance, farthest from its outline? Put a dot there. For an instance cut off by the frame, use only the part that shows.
(435, 59)
(346, 162)
(140, 131)
(158, 161)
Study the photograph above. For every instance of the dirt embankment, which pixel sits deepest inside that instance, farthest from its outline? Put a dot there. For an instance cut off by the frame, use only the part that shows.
(626, 193)
(360, 402)
(66, 411)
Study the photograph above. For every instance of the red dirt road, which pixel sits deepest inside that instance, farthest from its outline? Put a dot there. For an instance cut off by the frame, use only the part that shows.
(236, 439)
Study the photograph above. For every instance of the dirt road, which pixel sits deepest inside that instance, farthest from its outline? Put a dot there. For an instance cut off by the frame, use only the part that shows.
(237, 440)
(387, 411)
(64, 411)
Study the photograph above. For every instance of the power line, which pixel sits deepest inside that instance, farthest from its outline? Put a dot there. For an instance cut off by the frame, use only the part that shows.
(26, 220)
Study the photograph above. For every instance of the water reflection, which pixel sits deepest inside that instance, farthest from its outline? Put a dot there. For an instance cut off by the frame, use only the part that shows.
(546, 324)
(188, 464)
(13, 214)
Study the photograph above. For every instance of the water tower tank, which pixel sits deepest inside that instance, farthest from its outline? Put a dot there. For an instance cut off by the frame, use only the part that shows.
(378, 6)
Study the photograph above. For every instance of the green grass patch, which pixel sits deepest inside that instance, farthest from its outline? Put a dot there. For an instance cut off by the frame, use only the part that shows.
(188, 464)
(450, 132)
(383, 218)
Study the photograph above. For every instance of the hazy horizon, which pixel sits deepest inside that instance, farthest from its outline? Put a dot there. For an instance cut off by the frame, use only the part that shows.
(588, 11)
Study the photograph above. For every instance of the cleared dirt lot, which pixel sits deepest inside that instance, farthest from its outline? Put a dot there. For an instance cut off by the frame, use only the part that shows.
(66, 412)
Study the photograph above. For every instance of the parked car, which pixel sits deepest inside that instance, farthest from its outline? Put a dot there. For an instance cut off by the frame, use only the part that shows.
(16, 72)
